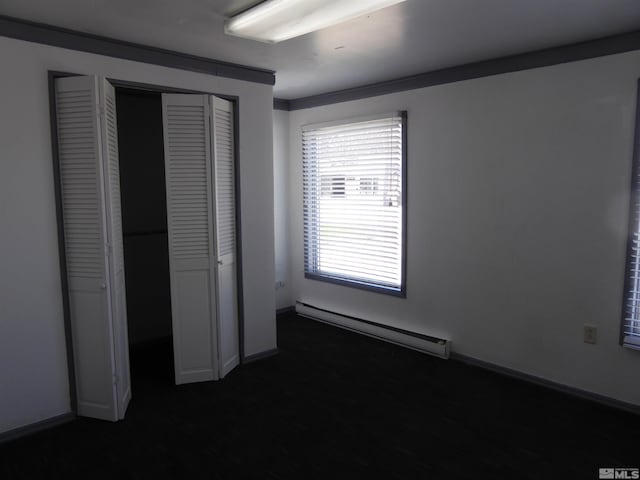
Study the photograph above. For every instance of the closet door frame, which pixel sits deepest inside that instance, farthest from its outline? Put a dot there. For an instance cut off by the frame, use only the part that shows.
(52, 76)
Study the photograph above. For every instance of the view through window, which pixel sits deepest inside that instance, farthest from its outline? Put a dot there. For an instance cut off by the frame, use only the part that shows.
(353, 179)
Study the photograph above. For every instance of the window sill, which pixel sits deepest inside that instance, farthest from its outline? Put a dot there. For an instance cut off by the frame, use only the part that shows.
(632, 342)
(394, 292)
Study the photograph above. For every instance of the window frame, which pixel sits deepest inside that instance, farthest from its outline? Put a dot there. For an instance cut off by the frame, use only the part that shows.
(634, 221)
(354, 283)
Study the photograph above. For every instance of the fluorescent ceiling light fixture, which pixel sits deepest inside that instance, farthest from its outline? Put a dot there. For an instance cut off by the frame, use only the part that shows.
(277, 20)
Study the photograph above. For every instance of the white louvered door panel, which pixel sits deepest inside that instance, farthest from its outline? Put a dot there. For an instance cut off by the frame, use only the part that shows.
(109, 131)
(190, 224)
(85, 226)
(225, 220)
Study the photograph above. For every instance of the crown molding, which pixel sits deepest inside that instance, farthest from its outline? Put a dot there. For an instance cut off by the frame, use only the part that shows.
(84, 42)
(622, 43)
(281, 104)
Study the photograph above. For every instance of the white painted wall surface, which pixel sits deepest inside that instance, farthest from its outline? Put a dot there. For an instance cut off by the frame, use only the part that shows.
(33, 366)
(517, 210)
(281, 207)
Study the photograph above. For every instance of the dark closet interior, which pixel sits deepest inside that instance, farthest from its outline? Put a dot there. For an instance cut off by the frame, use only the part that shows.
(144, 224)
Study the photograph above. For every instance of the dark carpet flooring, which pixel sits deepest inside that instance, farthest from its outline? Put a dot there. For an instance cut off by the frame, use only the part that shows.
(334, 404)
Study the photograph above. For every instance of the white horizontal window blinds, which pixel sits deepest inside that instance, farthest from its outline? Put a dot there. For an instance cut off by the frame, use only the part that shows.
(354, 201)
(631, 306)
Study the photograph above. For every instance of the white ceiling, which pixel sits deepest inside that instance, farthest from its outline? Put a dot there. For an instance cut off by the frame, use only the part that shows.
(409, 38)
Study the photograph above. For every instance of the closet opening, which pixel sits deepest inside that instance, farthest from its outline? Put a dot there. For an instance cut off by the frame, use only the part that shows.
(144, 228)
(146, 195)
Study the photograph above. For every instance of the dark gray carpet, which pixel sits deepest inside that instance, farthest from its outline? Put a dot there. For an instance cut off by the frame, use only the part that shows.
(334, 404)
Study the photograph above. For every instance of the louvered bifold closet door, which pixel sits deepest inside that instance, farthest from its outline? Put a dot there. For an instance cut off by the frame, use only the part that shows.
(225, 221)
(190, 223)
(109, 130)
(85, 227)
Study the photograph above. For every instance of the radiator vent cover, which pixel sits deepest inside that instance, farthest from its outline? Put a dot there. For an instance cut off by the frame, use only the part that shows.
(416, 341)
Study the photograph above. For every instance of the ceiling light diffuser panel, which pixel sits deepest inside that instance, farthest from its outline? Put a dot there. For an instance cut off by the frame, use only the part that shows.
(274, 21)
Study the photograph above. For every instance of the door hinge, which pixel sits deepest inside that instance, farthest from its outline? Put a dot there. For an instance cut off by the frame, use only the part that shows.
(115, 379)
(108, 249)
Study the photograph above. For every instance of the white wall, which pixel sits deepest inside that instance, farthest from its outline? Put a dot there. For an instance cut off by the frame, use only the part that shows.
(517, 210)
(33, 369)
(281, 207)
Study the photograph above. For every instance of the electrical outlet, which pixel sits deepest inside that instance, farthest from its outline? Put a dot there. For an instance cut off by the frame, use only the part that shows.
(590, 334)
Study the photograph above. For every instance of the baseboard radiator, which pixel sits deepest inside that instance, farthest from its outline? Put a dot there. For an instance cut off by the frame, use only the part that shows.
(416, 341)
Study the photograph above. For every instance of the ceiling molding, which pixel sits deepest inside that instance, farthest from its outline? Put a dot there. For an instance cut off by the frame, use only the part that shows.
(281, 104)
(61, 37)
(625, 42)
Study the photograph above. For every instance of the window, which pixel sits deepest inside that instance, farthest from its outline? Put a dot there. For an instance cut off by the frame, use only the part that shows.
(354, 202)
(630, 334)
